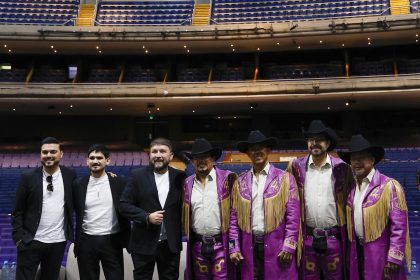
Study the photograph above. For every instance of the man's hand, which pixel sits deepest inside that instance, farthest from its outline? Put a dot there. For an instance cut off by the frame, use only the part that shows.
(236, 257)
(285, 257)
(156, 218)
(390, 268)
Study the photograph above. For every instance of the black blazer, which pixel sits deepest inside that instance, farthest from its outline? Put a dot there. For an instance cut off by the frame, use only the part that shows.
(140, 198)
(117, 185)
(28, 205)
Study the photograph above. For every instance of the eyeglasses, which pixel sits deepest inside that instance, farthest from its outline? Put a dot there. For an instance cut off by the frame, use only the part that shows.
(50, 187)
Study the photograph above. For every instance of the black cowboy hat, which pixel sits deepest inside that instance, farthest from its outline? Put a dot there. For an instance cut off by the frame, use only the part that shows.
(202, 146)
(256, 137)
(318, 127)
(359, 144)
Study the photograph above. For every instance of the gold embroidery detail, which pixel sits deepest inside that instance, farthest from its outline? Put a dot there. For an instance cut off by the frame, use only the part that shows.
(186, 218)
(290, 243)
(396, 254)
(202, 267)
(310, 266)
(332, 266)
(349, 223)
(218, 266)
(341, 205)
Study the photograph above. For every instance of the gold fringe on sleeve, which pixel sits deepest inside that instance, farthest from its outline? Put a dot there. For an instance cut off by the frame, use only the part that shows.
(186, 218)
(341, 205)
(243, 209)
(225, 205)
(275, 206)
(302, 204)
(349, 223)
(299, 246)
(402, 204)
(376, 216)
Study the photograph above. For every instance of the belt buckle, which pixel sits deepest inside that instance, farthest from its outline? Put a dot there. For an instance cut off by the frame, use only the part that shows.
(316, 235)
(208, 239)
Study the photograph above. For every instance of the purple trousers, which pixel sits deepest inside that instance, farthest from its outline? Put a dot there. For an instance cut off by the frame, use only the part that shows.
(330, 264)
(205, 269)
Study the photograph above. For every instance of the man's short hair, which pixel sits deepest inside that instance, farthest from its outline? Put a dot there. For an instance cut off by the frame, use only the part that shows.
(161, 141)
(50, 140)
(99, 148)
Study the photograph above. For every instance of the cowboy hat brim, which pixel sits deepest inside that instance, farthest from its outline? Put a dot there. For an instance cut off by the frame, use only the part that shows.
(216, 153)
(271, 142)
(376, 151)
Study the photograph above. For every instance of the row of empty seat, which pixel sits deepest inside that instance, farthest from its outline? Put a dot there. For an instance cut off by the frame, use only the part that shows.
(57, 12)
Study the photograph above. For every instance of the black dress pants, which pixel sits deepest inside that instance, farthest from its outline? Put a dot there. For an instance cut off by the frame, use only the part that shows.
(30, 256)
(100, 248)
(167, 264)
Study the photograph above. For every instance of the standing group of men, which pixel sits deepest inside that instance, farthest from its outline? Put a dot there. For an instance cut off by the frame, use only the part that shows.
(322, 218)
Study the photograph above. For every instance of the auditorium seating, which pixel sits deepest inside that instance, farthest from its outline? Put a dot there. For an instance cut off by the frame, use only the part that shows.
(274, 71)
(243, 11)
(98, 74)
(172, 12)
(137, 74)
(14, 75)
(49, 74)
(40, 12)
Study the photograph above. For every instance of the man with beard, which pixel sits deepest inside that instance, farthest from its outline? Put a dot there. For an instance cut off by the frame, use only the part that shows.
(376, 216)
(42, 215)
(152, 200)
(101, 232)
(206, 213)
(265, 216)
(322, 182)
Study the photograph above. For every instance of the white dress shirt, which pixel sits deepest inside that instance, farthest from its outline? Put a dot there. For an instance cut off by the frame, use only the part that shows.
(162, 184)
(100, 217)
(320, 205)
(51, 224)
(205, 206)
(359, 196)
(258, 186)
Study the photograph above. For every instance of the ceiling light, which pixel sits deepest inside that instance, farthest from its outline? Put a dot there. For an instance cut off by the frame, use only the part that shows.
(188, 51)
(59, 113)
(71, 106)
(231, 45)
(97, 47)
(329, 108)
(5, 46)
(185, 46)
(234, 117)
(368, 39)
(218, 118)
(347, 104)
(320, 41)
(143, 47)
(233, 50)
(369, 43)
(158, 108)
(52, 47)
(55, 51)
(258, 49)
(165, 92)
(417, 40)
(14, 109)
(342, 45)
(146, 51)
(99, 51)
(298, 47)
(110, 109)
(193, 111)
(10, 50)
(278, 44)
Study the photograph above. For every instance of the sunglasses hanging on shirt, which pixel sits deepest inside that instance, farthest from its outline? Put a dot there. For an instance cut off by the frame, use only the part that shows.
(50, 187)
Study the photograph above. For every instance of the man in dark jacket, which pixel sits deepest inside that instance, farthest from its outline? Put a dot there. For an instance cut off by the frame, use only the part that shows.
(101, 232)
(42, 215)
(152, 200)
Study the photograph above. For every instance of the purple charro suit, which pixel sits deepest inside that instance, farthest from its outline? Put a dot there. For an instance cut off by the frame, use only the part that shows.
(281, 223)
(386, 234)
(223, 267)
(342, 177)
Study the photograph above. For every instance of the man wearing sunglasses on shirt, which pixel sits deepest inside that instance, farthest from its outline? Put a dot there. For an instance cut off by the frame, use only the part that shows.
(42, 215)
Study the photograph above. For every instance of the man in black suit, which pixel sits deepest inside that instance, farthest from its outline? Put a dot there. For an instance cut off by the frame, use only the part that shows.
(152, 200)
(42, 215)
(101, 232)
